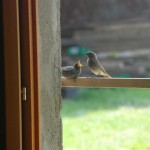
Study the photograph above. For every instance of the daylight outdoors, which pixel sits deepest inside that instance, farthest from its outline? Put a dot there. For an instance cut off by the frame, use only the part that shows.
(118, 31)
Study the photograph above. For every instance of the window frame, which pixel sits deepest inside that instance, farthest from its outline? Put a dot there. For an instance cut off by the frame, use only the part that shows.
(21, 70)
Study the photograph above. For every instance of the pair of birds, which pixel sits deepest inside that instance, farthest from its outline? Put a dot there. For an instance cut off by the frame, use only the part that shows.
(73, 72)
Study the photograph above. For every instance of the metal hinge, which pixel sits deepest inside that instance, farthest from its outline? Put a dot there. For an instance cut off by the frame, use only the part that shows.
(24, 93)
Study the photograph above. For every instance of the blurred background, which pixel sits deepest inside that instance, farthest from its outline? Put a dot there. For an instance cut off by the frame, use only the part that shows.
(107, 119)
(118, 31)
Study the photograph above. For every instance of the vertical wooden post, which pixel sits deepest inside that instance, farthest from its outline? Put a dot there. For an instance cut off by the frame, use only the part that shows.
(35, 36)
(12, 75)
(29, 65)
(27, 74)
(2, 86)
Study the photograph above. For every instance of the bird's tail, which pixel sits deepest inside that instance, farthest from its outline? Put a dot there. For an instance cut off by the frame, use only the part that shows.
(108, 76)
(105, 74)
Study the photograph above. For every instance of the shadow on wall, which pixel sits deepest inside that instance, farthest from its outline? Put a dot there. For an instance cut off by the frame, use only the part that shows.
(89, 100)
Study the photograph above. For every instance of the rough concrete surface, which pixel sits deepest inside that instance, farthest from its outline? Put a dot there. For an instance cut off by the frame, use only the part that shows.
(50, 73)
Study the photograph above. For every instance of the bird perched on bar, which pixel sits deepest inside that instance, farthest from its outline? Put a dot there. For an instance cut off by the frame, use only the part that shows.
(72, 72)
(95, 65)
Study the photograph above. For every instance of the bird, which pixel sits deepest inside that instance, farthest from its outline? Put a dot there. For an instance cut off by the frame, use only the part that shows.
(95, 66)
(72, 72)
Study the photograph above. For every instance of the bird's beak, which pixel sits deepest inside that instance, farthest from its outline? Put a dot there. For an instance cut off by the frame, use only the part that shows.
(79, 64)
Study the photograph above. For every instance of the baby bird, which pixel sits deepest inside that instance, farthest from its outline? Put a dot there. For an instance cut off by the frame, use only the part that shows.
(72, 72)
(95, 65)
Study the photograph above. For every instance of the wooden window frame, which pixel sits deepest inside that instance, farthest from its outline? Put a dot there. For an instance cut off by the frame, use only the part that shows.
(21, 70)
(30, 74)
(12, 75)
(84, 82)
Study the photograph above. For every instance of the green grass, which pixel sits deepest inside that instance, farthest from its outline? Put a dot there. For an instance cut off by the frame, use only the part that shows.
(107, 119)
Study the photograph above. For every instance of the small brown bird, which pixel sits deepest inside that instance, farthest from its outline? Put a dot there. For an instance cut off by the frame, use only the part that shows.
(72, 72)
(95, 65)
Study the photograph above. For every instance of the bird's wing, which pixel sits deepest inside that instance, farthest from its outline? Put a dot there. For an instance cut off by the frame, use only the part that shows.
(100, 67)
(68, 68)
(68, 71)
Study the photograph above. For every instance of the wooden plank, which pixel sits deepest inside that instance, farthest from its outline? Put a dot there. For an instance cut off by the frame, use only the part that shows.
(12, 75)
(30, 74)
(27, 77)
(2, 86)
(36, 73)
(107, 83)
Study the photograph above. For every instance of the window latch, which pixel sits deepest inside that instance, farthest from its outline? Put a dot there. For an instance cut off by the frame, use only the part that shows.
(24, 93)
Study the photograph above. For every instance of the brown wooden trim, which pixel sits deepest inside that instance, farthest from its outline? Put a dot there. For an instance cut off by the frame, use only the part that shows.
(2, 86)
(30, 74)
(36, 73)
(27, 74)
(12, 75)
(107, 83)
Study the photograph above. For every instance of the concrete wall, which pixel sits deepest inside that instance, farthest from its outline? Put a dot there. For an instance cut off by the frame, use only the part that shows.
(50, 62)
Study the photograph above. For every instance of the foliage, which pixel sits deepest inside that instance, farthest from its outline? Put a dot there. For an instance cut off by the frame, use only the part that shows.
(107, 119)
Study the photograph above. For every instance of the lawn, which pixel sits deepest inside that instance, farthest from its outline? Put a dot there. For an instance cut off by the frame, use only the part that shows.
(107, 119)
